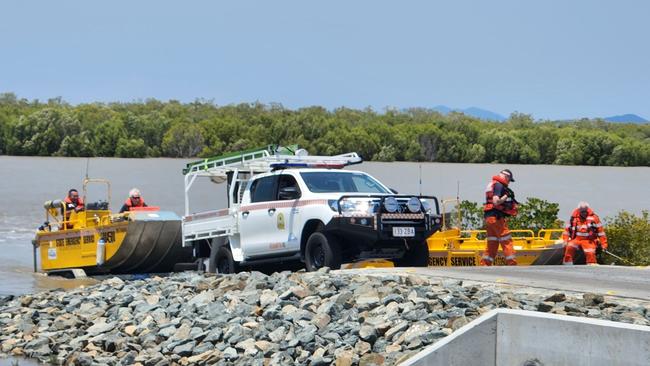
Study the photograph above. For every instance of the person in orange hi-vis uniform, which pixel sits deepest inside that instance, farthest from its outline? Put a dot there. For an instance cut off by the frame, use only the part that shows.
(585, 230)
(500, 203)
(74, 203)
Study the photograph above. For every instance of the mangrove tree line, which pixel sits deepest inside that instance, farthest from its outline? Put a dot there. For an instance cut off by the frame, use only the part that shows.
(153, 128)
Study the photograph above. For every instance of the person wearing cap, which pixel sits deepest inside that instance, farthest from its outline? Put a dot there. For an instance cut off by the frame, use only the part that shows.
(500, 204)
(135, 200)
(584, 230)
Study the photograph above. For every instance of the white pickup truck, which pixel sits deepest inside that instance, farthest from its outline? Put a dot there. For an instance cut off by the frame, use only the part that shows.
(285, 207)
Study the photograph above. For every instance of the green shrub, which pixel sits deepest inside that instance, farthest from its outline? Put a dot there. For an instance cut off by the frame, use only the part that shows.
(471, 215)
(628, 236)
(534, 214)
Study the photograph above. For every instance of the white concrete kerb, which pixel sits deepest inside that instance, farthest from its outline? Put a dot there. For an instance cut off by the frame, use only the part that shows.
(519, 337)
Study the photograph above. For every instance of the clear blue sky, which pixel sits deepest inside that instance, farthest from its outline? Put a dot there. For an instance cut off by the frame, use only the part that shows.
(553, 59)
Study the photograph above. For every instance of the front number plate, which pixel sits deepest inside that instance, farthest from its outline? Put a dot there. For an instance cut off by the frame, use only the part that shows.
(399, 231)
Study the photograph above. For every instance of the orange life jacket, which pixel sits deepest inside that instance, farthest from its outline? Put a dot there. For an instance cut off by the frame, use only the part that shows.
(508, 208)
(130, 203)
(588, 229)
(79, 204)
(68, 210)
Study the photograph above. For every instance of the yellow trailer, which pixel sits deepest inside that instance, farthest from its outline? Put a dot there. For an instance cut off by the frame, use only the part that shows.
(461, 248)
(100, 242)
(464, 248)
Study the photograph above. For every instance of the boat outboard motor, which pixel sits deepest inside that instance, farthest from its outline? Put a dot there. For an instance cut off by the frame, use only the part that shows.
(53, 204)
(55, 207)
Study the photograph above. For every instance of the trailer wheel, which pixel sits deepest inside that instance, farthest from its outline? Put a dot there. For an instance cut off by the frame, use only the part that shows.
(416, 256)
(222, 261)
(322, 251)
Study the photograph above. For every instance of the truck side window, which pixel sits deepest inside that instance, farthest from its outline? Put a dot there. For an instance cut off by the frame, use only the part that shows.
(263, 189)
(288, 181)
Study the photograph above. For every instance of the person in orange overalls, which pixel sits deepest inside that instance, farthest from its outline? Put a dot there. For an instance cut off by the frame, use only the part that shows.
(74, 203)
(585, 230)
(135, 200)
(500, 204)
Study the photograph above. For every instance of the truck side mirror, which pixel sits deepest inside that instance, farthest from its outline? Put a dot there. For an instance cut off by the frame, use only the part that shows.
(289, 193)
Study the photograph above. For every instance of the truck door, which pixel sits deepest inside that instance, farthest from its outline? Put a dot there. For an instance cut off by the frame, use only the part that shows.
(288, 222)
(257, 220)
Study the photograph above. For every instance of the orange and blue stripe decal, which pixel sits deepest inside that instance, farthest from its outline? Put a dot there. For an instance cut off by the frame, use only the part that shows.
(282, 204)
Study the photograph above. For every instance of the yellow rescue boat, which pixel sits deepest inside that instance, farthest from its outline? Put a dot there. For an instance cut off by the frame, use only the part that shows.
(461, 248)
(100, 242)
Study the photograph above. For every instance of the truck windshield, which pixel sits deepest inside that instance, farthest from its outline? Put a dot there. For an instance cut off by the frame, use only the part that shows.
(344, 182)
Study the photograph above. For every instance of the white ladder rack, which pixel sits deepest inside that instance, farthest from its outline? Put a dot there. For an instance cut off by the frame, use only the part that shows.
(262, 161)
(256, 162)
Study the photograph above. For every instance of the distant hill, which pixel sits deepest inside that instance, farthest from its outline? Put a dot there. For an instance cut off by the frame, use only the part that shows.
(484, 114)
(472, 111)
(626, 118)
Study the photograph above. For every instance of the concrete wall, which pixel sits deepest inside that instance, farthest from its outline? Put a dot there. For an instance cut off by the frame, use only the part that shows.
(563, 340)
(472, 345)
(514, 337)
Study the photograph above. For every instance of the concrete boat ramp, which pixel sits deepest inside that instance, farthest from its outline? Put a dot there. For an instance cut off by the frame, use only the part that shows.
(625, 282)
(629, 282)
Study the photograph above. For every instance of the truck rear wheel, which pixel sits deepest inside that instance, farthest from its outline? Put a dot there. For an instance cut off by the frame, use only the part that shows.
(416, 256)
(221, 261)
(322, 251)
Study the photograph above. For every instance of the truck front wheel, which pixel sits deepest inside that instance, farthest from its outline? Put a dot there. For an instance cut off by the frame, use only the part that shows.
(322, 251)
(416, 256)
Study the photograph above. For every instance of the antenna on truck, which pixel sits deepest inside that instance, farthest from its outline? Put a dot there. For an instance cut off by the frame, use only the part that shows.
(420, 167)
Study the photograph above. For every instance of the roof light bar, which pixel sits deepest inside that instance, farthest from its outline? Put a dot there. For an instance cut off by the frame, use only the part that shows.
(276, 166)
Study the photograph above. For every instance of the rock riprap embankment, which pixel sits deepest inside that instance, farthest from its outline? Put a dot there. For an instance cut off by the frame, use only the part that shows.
(286, 318)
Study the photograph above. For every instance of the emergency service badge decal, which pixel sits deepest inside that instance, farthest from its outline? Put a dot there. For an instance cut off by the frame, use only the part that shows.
(280, 221)
(51, 253)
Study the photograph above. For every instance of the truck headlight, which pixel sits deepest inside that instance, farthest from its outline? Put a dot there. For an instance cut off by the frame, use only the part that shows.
(348, 206)
(390, 204)
(361, 208)
(334, 205)
(414, 205)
